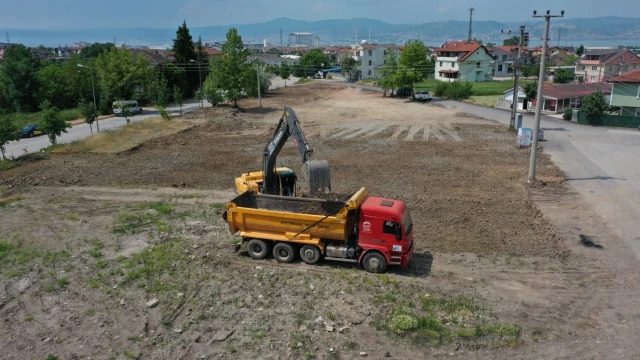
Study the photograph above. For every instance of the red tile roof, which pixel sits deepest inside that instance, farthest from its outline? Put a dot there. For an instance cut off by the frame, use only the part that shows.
(630, 77)
(511, 48)
(212, 52)
(468, 47)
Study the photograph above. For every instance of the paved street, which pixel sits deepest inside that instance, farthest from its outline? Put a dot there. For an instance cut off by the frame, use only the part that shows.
(600, 163)
(24, 146)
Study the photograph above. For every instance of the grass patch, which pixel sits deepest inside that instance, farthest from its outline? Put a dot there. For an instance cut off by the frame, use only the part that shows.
(28, 318)
(62, 282)
(6, 164)
(72, 217)
(4, 202)
(153, 264)
(133, 223)
(485, 100)
(479, 89)
(23, 119)
(125, 138)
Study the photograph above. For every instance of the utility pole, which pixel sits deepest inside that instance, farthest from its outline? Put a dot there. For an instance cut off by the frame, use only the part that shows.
(258, 76)
(280, 37)
(515, 98)
(559, 30)
(369, 36)
(470, 22)
(356, 36)
(7, 36)
(536, 126)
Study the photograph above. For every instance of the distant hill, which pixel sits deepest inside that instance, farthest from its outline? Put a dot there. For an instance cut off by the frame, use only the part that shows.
(343, 31)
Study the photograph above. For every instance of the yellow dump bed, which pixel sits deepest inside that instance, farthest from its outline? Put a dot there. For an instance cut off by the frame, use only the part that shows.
(285, 218)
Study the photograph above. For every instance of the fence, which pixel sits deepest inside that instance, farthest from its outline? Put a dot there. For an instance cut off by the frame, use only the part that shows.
(503, 104)
(609, 120)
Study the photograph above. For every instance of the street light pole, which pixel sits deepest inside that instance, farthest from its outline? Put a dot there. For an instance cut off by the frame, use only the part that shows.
(258, 76)
(200, 90)
(95, 105)
(536, 126)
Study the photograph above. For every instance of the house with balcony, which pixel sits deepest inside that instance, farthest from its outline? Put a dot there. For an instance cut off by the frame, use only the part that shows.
(463, 61)
(625, 93)
(371, 58)
(604, 64)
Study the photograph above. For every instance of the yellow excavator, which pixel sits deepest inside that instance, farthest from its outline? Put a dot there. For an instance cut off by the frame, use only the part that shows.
(282, 181)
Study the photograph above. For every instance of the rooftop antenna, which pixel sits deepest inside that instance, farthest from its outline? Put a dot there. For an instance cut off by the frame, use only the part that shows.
(470, 22)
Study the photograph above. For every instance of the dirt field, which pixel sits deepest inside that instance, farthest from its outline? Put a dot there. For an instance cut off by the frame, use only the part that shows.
(87, 239)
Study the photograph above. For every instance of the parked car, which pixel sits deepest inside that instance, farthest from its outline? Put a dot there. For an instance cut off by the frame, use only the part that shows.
(30, 131)
(423, 96)
(131, 105)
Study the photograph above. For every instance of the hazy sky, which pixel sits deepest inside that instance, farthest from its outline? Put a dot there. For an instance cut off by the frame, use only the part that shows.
(74, 14)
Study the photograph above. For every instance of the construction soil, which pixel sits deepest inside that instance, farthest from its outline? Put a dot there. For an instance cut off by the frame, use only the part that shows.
(87, 239)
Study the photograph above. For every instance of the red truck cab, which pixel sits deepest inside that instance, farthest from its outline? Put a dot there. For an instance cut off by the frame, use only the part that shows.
(384, 229)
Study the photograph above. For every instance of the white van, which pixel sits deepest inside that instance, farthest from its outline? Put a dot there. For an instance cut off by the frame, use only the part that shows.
(131, 105)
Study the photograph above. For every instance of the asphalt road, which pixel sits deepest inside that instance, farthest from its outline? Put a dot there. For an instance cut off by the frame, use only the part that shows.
(30, 145)
(600, 163)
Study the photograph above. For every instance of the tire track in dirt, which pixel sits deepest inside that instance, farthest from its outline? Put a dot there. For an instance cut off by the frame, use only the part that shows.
(399, 132)
(413, 130)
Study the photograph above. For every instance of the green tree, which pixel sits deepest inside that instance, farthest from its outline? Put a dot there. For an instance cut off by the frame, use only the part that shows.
(95, 49)
(212, 91)
(251, 80)
(595, 104)
(20, 69)
(350, 67)
(570, 60)
(311, 63)
(530, 90)
(528, 71)
(580, 50)
(158, 91)
(120, 73)
(512, 41)
(8, 132)
(177, 97)
(389, 71)
(175, 75)
(475, 40)
(563, 76)
(183, 45)
(88, 113)
(228, 70)
(52, 123)
(491, 44)
(285, 72)
(414, 64)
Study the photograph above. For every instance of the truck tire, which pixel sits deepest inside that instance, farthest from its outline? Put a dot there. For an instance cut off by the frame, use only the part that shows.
(310, 254)
(258, 249)
(284, 253)
(374, 262)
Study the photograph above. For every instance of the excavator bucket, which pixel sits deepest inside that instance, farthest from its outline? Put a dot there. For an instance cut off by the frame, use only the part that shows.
(316, 175)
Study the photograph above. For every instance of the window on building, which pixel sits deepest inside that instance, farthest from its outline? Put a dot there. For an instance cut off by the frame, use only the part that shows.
(440, 63)
(369, 62)
(504, 57)
(638, 94)
(453, 65)
(635, 67)
(594, 68)
(500, 68)
(593, 79)
(610, 68)
(369, 72)
(370, 52)
(478, 64)
(583, 67)
(631, 57)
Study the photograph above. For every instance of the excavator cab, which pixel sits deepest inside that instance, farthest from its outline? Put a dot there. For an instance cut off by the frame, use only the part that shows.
(282, 181)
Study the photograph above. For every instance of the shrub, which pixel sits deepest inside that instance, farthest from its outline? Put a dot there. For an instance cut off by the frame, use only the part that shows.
(459, 90)
(568, 113)
(403, 323)
(441, 89)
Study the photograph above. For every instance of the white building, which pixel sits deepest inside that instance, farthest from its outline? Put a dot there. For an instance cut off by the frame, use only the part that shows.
(275, 60)
(508, 97)
(371, 57)
(463, 61)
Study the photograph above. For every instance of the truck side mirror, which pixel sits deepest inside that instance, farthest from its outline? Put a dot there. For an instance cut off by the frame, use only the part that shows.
(398, 232)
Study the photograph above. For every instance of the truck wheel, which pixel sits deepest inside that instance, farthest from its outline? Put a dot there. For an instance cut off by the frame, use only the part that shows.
(284, 253)
(310, 254)
(374, 262)
(257, 249)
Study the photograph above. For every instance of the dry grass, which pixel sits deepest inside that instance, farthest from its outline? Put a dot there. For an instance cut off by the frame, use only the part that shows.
(485, 100)
(126, 137)
(9, 200)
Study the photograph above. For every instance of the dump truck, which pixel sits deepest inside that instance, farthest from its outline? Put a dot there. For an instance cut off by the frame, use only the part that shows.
(282, 180)
(371, 231)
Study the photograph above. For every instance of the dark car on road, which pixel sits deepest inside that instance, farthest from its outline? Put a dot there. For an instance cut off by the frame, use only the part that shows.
(30, 131)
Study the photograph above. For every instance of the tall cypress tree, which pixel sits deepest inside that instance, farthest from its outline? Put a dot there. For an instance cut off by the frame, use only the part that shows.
(184, 52)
